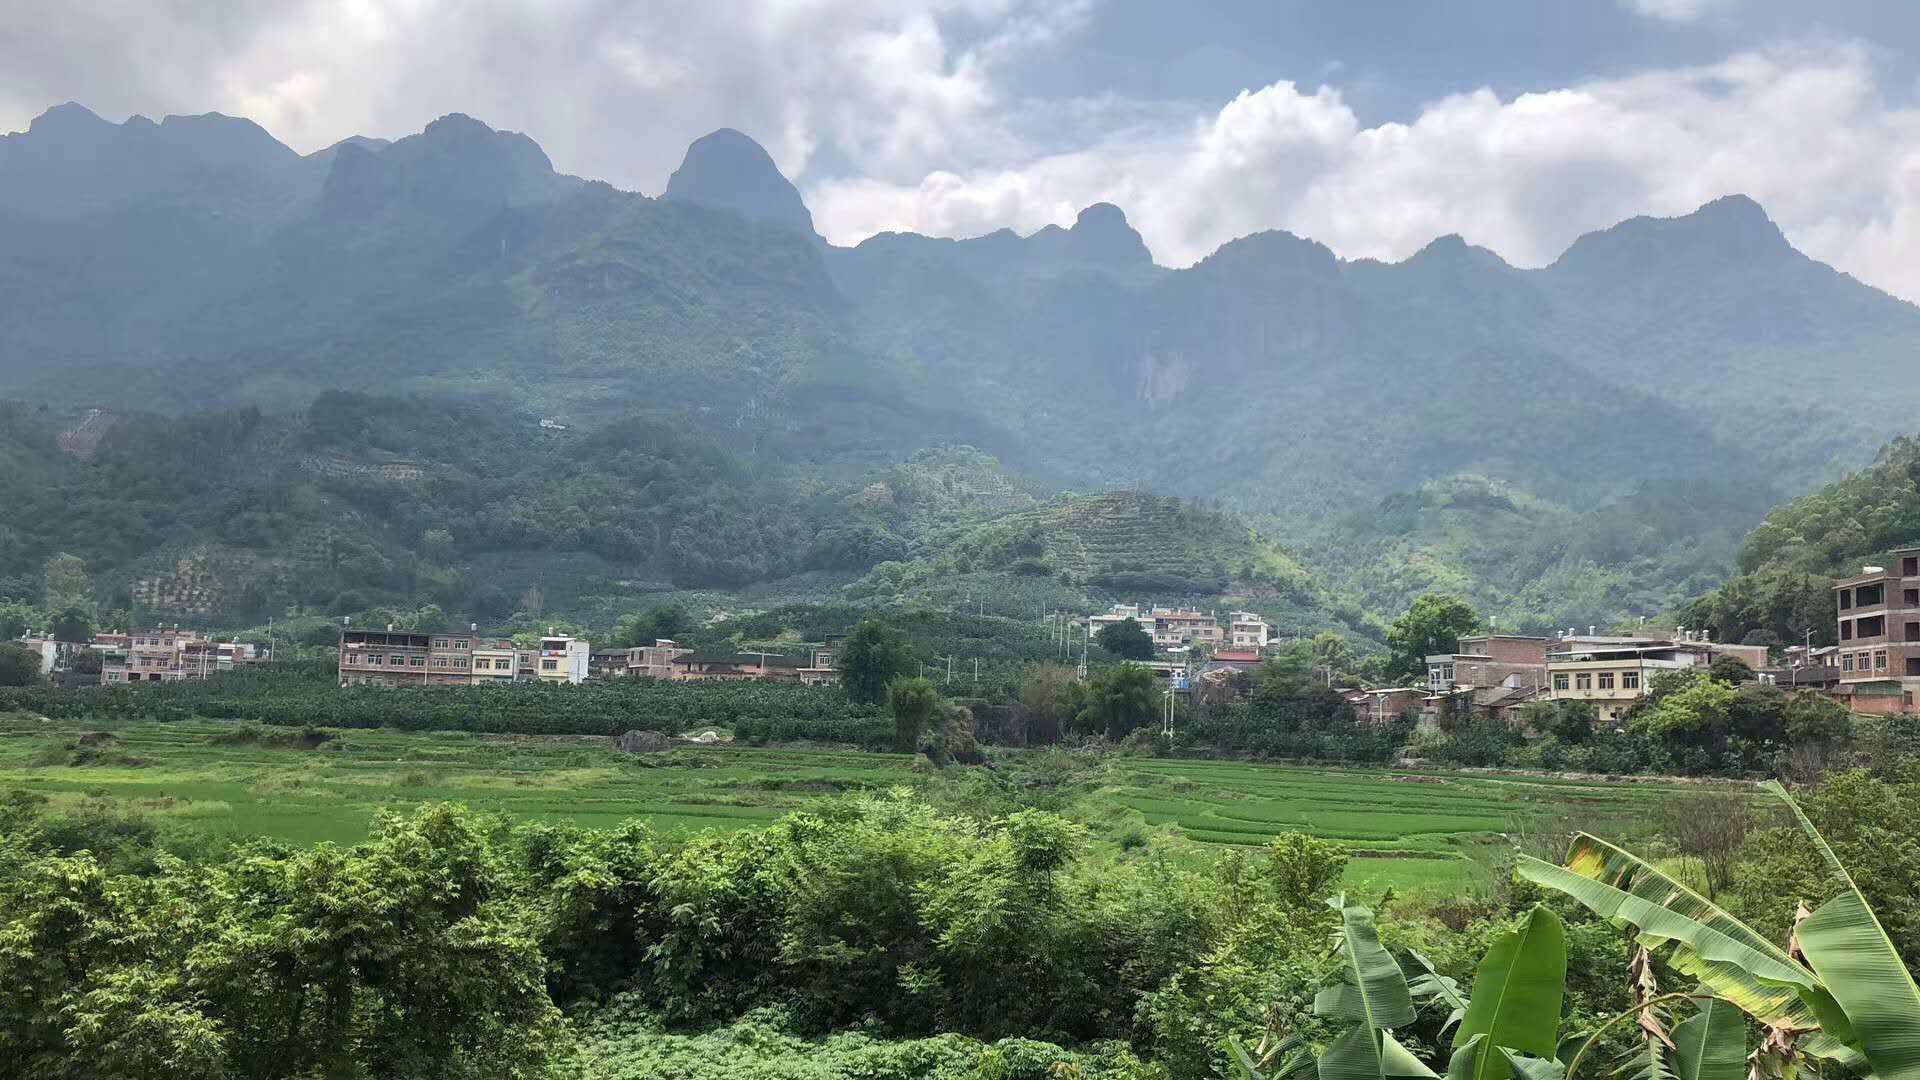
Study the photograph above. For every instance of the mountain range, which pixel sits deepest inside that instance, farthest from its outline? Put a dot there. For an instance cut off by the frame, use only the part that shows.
(1584, 442)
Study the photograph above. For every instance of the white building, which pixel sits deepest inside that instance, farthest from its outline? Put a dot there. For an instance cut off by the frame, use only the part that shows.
(563, 658)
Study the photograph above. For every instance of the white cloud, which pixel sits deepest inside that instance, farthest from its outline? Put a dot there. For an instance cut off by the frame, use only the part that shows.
(902, 114)
(612, 89)
(1801, 128)
(1678, 11)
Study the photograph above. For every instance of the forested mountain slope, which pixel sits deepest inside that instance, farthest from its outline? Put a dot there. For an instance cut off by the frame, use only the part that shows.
(1788, 562)
(1565, 445)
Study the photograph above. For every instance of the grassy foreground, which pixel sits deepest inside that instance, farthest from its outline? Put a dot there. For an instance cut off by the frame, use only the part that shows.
(222, 780)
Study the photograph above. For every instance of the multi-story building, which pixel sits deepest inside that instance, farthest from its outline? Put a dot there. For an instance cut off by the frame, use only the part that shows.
(167, 654)
(1487, 660)
(563, 658)
(493, 661)
(1247, 630)
(736, 666)
(1610, 671)
(1877, 623)
(386, 657)
(653, 661)
(428, 658)
(1170, 628)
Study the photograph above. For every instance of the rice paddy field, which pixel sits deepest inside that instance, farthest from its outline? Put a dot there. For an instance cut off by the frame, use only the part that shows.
(1408, 830)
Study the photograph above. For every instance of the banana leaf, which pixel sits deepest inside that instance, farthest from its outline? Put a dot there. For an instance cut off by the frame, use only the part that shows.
(1729, 958)
(1430, 985)
(1711, 1044)
(1858, 966)
(1375, 991)
(1467, 1057)
(1365, 1053)
(1373, 994)
(1517, 993)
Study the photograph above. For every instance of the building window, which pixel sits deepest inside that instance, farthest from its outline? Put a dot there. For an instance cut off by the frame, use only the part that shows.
(459, 644)
(375, 661)
(549, 665)
(1846, 662)
(1910, 567)
(1559, 682)
(418, 661)
(1868, 595)
(1629, 680)
(1846, 599)
(439, 643)
(439, 661)
(1880, 660)
(1846, 629)
(460, 662)
(1872, 626)
(1606, 680)
(1583, 681)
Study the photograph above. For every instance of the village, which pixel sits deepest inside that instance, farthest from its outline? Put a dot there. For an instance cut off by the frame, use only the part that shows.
(1199, 655)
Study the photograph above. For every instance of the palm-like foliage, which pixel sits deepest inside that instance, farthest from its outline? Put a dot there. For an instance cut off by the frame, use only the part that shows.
(1852, 1001)
(1838, 991)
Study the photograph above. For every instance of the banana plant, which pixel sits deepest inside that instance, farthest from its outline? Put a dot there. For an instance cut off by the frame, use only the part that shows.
(1371, 993)
(1846, 997)
(1508, 1029)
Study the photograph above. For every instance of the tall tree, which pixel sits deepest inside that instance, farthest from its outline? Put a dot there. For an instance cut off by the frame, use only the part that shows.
(1119, 700)
(1433, 624)
(19, 665)
(870, 659)
(72, 625)
(914, 704)
(66, 584)
(1125, 639)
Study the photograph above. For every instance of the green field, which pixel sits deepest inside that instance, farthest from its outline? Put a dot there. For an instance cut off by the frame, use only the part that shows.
(1408, 830)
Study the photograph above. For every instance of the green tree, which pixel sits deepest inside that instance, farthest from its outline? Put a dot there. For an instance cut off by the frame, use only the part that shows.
(1334, 653)
(1126, 640)
(1813, 718)
(1120, 699)
(72, 625)
(1730, 669)
(65, 583)
(1044, 696)
(1432, 624)
(19, 665)
(14, 623)
(669, 621)
(1569, 721)
(870, 659)
(1701, 706)
(1758, 713)
(437, 546)
(914, 704)
(1303, 870)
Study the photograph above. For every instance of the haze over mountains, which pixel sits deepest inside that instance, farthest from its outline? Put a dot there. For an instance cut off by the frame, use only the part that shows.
(1572, 444)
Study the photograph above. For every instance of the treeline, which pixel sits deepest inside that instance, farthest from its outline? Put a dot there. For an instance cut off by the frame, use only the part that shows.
(308, 694)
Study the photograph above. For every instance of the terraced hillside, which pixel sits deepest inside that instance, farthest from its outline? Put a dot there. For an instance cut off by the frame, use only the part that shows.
(1082, 550)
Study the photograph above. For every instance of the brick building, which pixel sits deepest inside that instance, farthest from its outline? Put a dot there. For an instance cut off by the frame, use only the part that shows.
(1877, 633)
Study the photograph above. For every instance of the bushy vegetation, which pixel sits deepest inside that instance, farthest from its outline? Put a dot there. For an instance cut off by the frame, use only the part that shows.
(869, 936)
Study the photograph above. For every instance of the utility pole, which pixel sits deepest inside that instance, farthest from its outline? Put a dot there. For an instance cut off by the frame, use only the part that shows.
(949, 661)
(976, 670)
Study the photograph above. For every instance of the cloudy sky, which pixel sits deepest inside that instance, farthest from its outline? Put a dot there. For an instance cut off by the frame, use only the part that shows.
(1372, 127)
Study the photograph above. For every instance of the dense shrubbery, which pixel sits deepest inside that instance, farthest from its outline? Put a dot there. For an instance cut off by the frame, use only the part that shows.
(441, 946)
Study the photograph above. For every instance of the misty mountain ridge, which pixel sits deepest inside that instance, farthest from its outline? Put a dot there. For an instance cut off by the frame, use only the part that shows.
(1272, 375)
